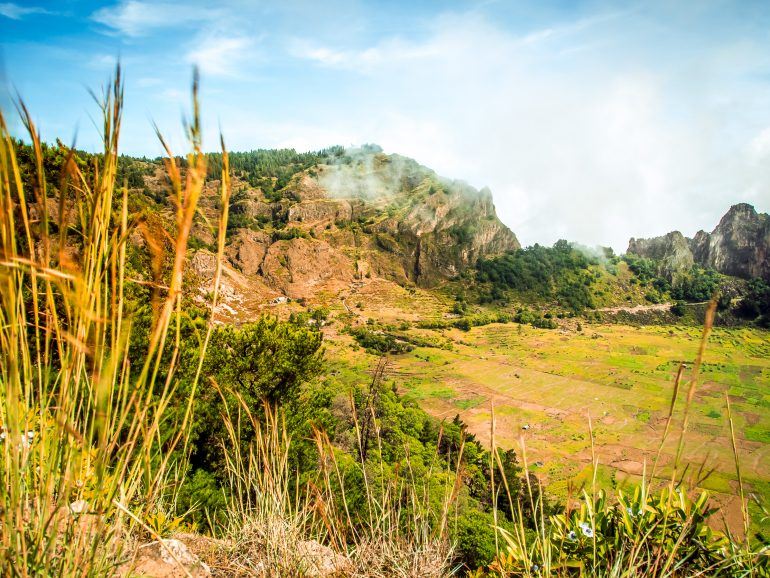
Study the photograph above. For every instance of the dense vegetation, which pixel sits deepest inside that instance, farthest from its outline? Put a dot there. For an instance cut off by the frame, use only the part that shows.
(271, 169)
(560, 273)
(565, 277)
(755, 303)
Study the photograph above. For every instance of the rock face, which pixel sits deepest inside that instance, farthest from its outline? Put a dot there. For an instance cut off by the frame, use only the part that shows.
(300, 267)
(738, 246)
(446, 234)
(367, 215)
(672, 251)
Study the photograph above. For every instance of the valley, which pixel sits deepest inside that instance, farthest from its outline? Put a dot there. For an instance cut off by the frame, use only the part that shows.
(545, 385)
(587, 340)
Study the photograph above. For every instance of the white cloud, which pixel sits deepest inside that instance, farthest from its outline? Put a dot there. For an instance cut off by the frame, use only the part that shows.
(578, 133)
(16, 12)
(137, 18)
(392, 51)
(595, 128)
(219, 55)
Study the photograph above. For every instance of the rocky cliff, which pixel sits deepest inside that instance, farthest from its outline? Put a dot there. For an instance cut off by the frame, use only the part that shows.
(672, 251)
(738, 246)
(356, 217)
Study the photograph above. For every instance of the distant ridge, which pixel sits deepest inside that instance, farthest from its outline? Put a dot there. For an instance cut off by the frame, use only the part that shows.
(738, 246)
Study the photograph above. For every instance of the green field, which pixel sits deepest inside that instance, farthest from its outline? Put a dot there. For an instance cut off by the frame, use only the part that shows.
(621, 377)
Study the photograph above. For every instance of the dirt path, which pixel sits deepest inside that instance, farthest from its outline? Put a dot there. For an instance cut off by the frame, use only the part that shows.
(637, 308)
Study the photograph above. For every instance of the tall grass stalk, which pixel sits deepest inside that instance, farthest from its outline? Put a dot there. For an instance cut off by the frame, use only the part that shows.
(281, 523)
(85, 450)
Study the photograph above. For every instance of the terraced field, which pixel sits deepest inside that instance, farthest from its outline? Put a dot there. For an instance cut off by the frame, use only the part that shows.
(545, 385)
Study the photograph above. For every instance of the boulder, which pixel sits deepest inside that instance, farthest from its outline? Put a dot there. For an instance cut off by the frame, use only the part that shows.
(166, 559)
(320, 561)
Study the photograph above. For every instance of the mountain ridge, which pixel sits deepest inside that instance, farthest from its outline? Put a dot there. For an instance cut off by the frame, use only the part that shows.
(738, 246)
(357, 215)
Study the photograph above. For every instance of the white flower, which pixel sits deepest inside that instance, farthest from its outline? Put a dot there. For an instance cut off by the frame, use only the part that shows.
(78, 506)
(572, 536)
(30, 435)
(587, 531)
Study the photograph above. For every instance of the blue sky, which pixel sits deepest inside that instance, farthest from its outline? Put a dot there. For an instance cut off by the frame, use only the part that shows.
(591, 121)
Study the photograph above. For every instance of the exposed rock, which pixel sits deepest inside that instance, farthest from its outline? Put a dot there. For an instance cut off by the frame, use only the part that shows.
(166, 559)
(672, 251)
(738, 246)
(321, 561)
(204, 263)
(370, 215)
(300, 267)
(321, 210)
(304, 187)
(255, 209)
(247, 250)
(446, 234)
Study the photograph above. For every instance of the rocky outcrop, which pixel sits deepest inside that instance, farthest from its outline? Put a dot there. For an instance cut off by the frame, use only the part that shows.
(168, 558)
(321, 210)
(256, 209)
(371, 214)
(247, 250)
(439, 239)
(672, 251)
(738, 246)
(305, 187)
(301, 267)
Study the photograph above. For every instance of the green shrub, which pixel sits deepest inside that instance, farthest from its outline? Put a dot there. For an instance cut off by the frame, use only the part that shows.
(697, 285)
(755, 303)
(378, 342)
(637, 532)
(679, 308)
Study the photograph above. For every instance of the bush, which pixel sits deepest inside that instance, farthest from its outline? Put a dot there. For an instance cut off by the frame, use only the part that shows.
(697, 285)
(289, 234)
(755, 303)
(652, 297)
(378, 342)
(264, 361)
(637, 532)
(678, 308)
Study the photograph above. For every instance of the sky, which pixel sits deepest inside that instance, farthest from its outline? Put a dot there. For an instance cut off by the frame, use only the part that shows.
(589, 121)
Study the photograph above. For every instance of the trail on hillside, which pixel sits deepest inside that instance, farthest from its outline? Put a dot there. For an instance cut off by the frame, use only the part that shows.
(637, 308)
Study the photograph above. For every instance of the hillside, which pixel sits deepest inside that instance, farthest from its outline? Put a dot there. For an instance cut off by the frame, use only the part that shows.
(305, 226)
(361, 212)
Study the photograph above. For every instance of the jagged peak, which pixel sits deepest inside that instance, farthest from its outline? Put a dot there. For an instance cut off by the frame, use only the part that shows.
(737, 246)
